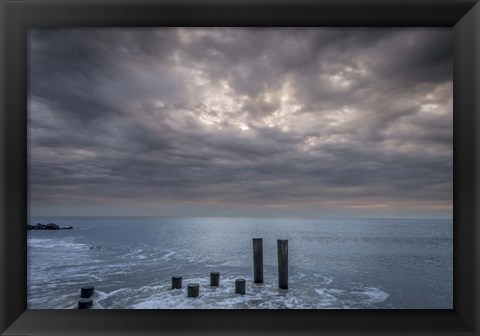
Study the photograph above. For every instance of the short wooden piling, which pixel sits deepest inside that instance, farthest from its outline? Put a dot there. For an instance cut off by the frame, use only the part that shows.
(214, 279)
(193, 290)
(86, 291)
(176, 282)
(85, 303)
(240, 286)
(257, 260)
(282, 250)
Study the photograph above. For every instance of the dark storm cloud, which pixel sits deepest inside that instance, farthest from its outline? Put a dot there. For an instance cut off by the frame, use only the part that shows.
(267, 117)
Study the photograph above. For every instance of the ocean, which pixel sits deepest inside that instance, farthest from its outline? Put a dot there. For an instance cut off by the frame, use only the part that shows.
(333, 263)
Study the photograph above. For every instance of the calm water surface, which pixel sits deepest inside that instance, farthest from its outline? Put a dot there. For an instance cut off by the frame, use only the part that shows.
(335, 263)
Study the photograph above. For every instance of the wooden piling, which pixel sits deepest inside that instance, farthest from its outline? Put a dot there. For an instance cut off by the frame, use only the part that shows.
(214, 279)
(86, 291)
(257, 260)
(85, 303)
(240, 286)
(282, 250)
(193, 290)
(176, 282)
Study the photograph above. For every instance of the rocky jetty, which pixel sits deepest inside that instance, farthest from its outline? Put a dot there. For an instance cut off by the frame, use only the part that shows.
(49, 226)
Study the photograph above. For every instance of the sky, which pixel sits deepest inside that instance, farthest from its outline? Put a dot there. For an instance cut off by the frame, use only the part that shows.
(309, 122)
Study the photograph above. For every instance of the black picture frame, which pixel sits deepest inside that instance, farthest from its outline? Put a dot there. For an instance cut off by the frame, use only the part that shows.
(18, 15)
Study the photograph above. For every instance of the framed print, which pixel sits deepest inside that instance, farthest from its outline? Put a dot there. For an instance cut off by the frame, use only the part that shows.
(266, 167)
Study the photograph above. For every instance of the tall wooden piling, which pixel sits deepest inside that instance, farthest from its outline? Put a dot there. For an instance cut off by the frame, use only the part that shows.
(240, 286)
(193, 290)
(257, 260)
(176, 282)
(282, 250)
(214, 279)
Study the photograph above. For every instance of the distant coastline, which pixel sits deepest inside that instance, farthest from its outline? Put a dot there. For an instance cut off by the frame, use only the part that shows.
(49, 226)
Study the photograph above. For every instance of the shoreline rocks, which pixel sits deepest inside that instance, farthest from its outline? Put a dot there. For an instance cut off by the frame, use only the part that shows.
(49, 226)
